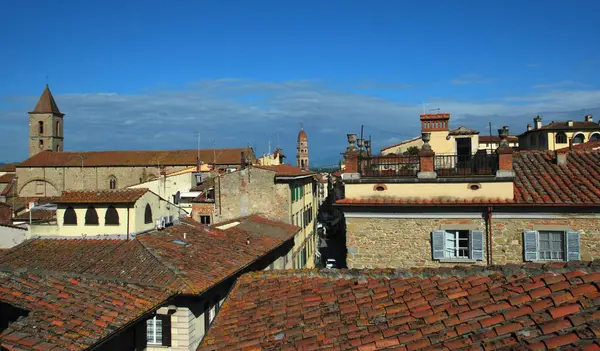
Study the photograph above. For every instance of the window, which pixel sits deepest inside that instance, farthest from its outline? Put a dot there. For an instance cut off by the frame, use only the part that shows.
(39, 187)
(595, 137)
(533, 140)
(158, 330)
(112, 182)
(57, 128)
(542, 140)
(578, 139)
(205, 219)
(148, 214)
(41, 127)
(41, 144)
(91, 216)
(561, 138)
(551, 245)
(70, 217)
(112, 216)
(457, 244)
(57, 147)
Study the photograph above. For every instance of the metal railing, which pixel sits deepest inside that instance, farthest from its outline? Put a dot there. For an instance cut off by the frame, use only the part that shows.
(466, 165)
(389, 166)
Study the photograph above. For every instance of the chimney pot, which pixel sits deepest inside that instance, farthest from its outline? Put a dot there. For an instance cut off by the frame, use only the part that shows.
(570, 123)
(589, 118)
(537, 122)
(561, 158)
(529, 127)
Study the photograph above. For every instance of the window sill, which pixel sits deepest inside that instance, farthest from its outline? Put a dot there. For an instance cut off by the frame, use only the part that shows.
(457, 260)
(112, 224)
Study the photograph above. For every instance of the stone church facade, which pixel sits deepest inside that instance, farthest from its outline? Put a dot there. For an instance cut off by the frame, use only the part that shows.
(49, 171)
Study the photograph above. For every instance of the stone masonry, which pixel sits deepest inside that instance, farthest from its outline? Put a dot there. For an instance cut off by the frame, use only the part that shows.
(251, 191)
(406, 242)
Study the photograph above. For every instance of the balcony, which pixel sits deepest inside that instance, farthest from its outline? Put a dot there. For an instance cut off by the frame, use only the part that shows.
(465, 165)
(389, 166)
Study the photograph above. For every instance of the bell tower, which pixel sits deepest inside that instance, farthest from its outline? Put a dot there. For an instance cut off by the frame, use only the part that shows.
(45, 125)
(302, 149)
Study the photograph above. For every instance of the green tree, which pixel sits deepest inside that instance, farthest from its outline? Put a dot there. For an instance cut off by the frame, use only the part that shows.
(412, 151)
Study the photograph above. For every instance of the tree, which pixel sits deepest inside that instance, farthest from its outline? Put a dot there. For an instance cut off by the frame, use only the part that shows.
(412, 151)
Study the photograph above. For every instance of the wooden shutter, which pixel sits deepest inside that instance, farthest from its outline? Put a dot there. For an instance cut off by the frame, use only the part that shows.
(166, 330)
(476, 244)
(437, 244)
(141, 335)
(530, 245)
(573, 252)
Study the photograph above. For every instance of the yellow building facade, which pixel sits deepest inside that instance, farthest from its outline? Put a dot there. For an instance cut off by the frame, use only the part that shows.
(558, 135)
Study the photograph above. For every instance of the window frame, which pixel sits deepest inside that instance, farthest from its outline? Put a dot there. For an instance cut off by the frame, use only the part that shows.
(203, 219)
(92, 215)
(65, 215)
(475, 245)
(561, 138)
(106, 218)
(154, 319)
(570, 239)
(147, 214)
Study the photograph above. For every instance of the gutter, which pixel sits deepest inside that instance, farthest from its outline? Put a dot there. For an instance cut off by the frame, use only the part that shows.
(490, 238)
(128, 222)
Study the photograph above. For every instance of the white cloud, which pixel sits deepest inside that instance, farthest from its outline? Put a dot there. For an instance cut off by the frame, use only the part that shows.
(237, 112)
(471, 78)
(557, 84)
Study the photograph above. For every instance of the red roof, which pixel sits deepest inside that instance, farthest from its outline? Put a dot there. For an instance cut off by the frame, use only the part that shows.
(7, 178)
(125, 196)
(287, 170)
(512, 307)
(589, 146)
(302, 135)
(206, 257)
(46, 103)
(538, 181)
(154, 158)
(577, 125)
(496, 139)
(8, 167)
(68, 312)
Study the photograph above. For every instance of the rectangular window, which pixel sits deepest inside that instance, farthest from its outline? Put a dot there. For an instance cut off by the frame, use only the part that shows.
(551, 246)
(457, 244)
(205, 219)
(294, 219)
(41, 143)
(39, 187)
(158, 330)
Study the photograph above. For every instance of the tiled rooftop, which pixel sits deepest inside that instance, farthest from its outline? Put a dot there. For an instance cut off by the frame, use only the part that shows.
(286, 170)
(577, 125)
(39, 215)
(152, 158)
(8, 167)
(538, 181)
(101, 196)
(70, 313)
(533, 306)
(496, 139)
(207, 257)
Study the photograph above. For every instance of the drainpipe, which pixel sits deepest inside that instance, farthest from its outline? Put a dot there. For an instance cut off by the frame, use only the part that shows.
(128, 222)
(490, 239)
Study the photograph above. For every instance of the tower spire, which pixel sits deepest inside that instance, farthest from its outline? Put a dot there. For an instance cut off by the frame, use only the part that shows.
(46, 103)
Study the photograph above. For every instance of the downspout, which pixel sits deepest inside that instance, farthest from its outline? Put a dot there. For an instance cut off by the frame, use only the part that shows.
(219, 178)
(128, 222)
(490, 239)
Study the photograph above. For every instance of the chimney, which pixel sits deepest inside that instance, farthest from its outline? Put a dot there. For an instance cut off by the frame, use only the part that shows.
(426, 159)
(561, 158)
(537, 122)
(570, 123)
(529, 127)
(589, 118)
(351, 159)
(434, 122)
(243, 161)
(505, 155)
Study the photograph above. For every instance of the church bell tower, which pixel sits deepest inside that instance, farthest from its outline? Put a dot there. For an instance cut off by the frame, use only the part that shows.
(45, 125)
(302, 150)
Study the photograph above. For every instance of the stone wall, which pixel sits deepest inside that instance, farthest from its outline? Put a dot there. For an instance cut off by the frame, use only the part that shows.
(203, 210)
(251, 191)
(5, 214)
(61, 179)
(397, 242)
(507, 236)
(406, 242)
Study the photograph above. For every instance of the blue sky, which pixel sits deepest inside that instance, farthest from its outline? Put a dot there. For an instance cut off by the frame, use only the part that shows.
(152, 74)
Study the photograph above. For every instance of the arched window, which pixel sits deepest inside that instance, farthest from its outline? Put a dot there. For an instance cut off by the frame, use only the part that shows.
(70, 217)
(57, 128)
(112, 216)
(578, 139)
(561, 138)
(148, 214)
(41, 127)
(91, 216)
(112, 182)
(595, 137)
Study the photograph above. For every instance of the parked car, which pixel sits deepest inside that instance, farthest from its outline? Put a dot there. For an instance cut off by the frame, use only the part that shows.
(330, 263)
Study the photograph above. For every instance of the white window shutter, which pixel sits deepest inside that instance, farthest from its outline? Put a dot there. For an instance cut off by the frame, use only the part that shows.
(573, 243)
(530, 245)
(437, 244)
(476, 245)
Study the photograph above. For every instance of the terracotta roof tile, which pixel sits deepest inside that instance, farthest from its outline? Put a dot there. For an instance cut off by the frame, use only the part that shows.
(496, 139)
(56, 304)
(101, 196)
(379, 309)
(588, 146)
(8, 167)
(287, 170)
(37, 215)
(152, 158)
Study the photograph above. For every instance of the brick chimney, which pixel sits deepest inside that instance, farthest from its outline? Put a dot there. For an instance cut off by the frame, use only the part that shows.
(426, 159)
(505, 155)
(435, 122)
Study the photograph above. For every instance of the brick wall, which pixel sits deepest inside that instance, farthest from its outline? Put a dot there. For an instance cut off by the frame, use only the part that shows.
(251, 191)
(70, 178)
(203, 210)
(5, 214)
(406, 242)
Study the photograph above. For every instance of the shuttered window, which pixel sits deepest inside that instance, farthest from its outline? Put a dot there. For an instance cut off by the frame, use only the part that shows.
(457, 244)
(158, 330)
(551, 246)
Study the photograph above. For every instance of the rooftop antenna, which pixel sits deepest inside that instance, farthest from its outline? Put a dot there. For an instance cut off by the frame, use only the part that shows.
(198, 156)
(435, 109)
